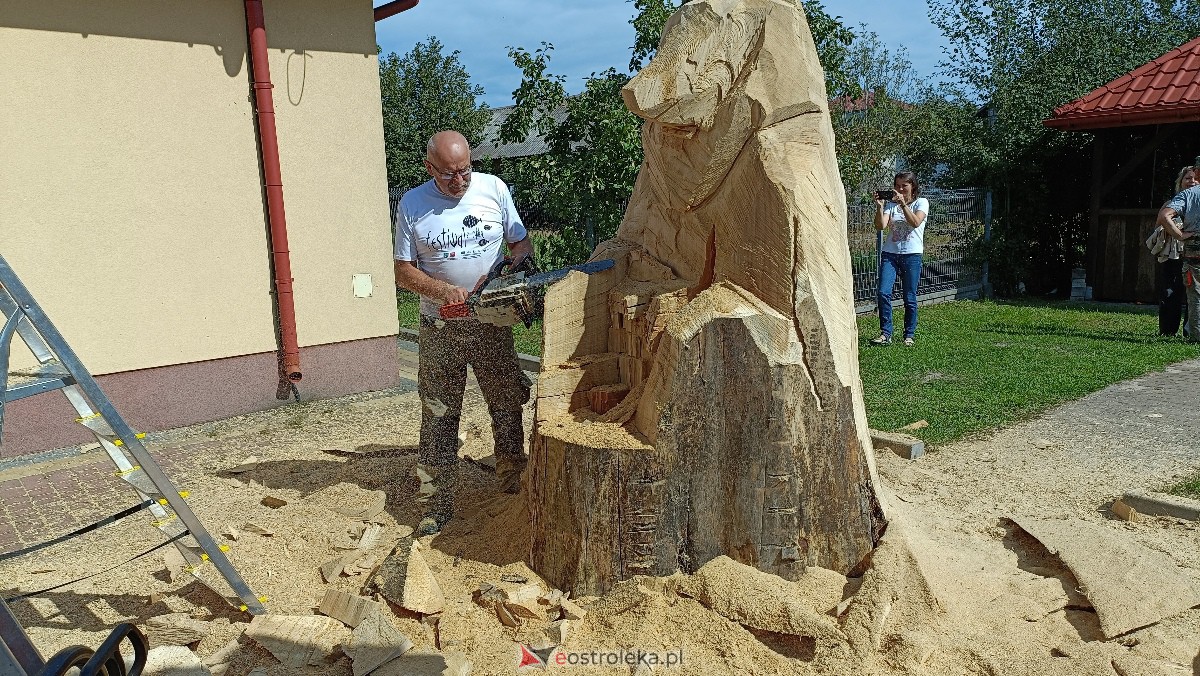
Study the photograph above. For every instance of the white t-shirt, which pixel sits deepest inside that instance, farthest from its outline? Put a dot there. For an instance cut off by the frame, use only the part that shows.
(456, 239)
(903, 238)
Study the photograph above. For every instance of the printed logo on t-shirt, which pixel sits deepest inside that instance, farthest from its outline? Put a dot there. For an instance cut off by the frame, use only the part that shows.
(469, 241)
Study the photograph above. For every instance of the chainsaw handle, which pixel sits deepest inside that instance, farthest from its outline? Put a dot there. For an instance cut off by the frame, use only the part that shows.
(454, 310)
(502, 267)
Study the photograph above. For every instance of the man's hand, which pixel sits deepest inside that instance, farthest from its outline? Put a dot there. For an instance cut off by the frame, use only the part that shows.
(455, 294)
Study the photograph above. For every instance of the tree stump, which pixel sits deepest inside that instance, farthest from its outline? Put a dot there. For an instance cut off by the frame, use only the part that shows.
(702, 397)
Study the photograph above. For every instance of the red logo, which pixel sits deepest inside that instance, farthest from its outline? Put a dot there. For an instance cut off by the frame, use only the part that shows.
(528, 657)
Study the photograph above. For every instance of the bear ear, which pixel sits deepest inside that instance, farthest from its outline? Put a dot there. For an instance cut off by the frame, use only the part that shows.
(706, 48)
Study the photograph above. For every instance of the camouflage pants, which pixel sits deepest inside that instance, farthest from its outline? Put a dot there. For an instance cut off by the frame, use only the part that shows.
(446, 348)
(1191, 278)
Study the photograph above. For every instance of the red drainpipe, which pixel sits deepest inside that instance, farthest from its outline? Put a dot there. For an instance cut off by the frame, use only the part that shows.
(392, 8)
(268, 142)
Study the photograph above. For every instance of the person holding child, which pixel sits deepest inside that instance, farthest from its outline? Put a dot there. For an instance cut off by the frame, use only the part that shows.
(1180, 219)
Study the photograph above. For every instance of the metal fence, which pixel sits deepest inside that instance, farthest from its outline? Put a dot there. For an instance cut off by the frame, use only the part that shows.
(956, 225)
(394, 195)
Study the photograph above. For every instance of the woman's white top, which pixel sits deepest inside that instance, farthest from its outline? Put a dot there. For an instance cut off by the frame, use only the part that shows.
(902, 238)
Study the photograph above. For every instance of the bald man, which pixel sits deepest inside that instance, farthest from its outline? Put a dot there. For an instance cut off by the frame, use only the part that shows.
(450, 231)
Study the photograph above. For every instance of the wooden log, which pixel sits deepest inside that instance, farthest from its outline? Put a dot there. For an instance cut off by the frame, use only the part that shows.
(176, 629)
(730, 322)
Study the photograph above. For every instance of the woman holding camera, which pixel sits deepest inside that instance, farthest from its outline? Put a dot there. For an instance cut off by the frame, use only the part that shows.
(902, 213)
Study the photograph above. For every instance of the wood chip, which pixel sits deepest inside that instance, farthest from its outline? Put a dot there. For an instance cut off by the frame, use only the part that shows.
(334, 567)
(506, 616)
(231, 533)
(524, 602)
(370, 537)
(1129, 584)
(359, 566)
(375, 642)
(257, 529)
(175, 629)
(174, 660)
(552, 598)
(571, 611)
(350, 609)
(488, 595)
(297, 640)
(225, 654)
(404, 578)
(245, 466)
(272, 502)
(378, 500)
(1126, 512)
(175, 563)
(557, 631)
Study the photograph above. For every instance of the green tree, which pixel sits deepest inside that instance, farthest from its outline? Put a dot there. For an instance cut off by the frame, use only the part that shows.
(582, 183)
(885, 123)
(1017, 60)
(581, 186)
(423, 92)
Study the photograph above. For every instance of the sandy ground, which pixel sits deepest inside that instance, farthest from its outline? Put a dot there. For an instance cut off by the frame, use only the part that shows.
(957, 589)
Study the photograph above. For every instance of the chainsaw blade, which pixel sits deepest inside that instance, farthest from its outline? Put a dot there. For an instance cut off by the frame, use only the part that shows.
(551, 276)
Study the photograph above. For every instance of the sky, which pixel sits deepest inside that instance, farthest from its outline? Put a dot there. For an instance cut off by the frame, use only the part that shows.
(591, 35)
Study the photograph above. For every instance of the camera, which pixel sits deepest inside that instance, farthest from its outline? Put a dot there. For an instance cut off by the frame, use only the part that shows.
(885, 195)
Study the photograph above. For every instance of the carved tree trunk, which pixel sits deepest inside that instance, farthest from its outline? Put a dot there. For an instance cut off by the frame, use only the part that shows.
(702, 397)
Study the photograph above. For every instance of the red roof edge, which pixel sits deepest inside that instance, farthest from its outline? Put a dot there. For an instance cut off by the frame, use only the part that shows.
(1135, 98)
(1106, 119)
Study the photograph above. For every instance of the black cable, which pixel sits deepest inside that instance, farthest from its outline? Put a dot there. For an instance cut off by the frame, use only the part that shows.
(86, 529)
(100, 572)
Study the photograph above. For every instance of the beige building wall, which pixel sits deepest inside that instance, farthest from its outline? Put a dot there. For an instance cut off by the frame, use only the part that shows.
(130, 192)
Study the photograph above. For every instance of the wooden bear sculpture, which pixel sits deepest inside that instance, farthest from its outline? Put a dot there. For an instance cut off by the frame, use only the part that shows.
(703, 397)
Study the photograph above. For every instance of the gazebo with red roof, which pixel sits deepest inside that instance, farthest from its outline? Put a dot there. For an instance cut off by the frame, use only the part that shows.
(1146, 125)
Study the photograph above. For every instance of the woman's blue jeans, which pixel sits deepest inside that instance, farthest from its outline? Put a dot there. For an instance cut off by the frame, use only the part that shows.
(908, 268)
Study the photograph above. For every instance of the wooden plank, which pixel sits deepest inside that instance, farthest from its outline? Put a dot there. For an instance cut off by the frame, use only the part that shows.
(348, 608)
(1095, 241)
(297, 640)
(904, 445)
(1129, 584)
(1147, 264)
(1113, 262)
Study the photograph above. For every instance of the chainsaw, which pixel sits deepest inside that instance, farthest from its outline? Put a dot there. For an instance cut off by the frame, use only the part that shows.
(513, 293)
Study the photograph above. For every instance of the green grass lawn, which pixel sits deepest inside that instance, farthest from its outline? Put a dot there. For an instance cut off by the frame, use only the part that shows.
(981, 365)
(1188, 488)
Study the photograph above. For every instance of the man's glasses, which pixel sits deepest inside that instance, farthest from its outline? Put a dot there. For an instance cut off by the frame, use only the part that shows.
(451, 175)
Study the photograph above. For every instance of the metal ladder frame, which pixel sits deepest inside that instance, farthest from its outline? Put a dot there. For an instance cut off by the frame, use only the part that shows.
(61, 369)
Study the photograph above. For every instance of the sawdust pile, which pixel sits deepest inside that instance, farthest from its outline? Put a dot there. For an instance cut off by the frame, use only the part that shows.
(939, 596)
